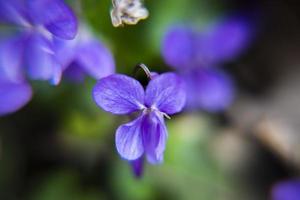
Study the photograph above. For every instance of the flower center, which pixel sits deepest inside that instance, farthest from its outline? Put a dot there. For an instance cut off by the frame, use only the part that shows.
(154, 109)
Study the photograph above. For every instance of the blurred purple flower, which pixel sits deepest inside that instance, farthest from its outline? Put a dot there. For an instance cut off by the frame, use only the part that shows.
(45, 46)
(195, 56)
(38, 23)
(30, 49)
(287, 190)
(147, 134)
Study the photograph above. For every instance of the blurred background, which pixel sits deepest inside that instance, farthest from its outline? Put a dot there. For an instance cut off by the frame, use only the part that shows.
(61, 145)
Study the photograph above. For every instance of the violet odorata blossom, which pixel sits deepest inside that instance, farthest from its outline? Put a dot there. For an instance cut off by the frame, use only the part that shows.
(37, 23)
(40, 42)
(286, 190)
(26, 47)
(197, 56)
(146, 135)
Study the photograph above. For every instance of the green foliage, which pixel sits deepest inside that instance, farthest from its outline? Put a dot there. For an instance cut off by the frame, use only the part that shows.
(63, 185)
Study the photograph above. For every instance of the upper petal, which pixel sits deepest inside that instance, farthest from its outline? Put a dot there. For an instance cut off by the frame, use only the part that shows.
(56, 16)
(178, 47)
(13, 96)
(13, 11)
(129, 140)
(166, 92)
(154, 134)
(95, 59)
(224, 40)
(119, 94)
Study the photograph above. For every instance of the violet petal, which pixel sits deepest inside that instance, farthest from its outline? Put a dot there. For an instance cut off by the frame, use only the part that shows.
(119, 94)
(13, 96)
(56, 16)
(287, 190)
(95, 59)
(209, 89)
(11, 58)
(40, 59)
(166, 92)
(223, 41)
(178, 48)
(13, 12)
(129, 140)
(154, 134)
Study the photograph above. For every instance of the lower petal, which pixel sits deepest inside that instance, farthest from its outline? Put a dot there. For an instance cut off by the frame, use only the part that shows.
(129, 141)
(40, 60)
(13, 96)
(154, 137)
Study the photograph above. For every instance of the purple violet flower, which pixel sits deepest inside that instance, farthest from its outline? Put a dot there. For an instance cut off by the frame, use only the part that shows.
(147, 134)
(287, 190)
(32, 25)
(45, 46)
(195, 56)
(37, 24)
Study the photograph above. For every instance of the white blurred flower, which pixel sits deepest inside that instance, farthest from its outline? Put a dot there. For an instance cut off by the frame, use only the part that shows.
(127, 12)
